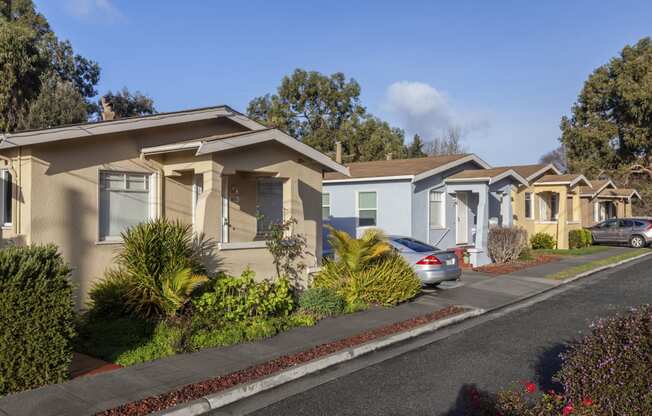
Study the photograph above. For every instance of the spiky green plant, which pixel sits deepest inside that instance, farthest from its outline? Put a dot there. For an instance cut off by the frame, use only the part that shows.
(356, 253)
(162, 261)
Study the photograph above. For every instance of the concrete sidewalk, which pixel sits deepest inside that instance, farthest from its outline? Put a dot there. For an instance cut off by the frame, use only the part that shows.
(90, 394)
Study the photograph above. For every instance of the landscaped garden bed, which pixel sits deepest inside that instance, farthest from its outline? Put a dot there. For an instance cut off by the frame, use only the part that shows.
(197, 390)
(496, 269)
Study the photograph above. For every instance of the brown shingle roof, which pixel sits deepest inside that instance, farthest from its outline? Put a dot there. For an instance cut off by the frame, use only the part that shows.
(596, 185)
(396, 167)
(479, 173)
(619, 192)
(569, 177)
(527, 170)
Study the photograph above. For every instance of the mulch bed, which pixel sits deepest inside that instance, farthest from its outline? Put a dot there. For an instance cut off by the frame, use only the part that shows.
(504, 268)
(197, 390)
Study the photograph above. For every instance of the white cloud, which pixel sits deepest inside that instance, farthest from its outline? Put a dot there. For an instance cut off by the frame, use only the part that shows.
(422, 109)
(92, 9)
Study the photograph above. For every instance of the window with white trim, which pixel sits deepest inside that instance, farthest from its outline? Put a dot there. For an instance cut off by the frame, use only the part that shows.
(529, 212)
(6, 197)
(437, 212)
(269, 198)
(367, 209)
(125, 201)
(325, 206)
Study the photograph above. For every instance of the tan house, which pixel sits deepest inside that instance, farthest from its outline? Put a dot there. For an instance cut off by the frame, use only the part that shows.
(605, 200)
(550, 203)
(80, 186)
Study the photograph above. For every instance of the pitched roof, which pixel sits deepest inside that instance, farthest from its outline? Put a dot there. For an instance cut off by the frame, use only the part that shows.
(222, 142)
(620, 193)
(409, 168)
(487, 175)
(530, 172)
(74, 131)
(596, 187)
(570, 178)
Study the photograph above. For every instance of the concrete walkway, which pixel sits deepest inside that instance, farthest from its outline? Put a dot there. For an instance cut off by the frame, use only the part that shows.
(90, 394)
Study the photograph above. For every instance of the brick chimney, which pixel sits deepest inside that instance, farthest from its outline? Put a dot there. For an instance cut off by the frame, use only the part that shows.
(338, 152)
(107, 111)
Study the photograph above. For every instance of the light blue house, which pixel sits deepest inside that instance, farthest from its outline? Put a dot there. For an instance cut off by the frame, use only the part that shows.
(446, 201)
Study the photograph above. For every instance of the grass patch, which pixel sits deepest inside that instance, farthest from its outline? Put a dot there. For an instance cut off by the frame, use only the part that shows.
(574, 271)
(573, 251)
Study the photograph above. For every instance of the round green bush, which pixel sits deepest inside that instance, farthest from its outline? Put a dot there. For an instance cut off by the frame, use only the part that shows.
(37, 325)
(542, 241)
(322, 301)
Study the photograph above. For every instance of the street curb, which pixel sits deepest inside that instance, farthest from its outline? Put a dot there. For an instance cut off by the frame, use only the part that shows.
(602, 268)
(223, 398)
(218, 400)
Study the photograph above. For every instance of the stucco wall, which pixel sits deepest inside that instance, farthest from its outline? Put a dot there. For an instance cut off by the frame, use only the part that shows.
(394, 206)
(445, 237)
(57, 199)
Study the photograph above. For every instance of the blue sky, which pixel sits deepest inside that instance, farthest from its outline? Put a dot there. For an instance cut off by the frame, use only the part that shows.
(503, 71)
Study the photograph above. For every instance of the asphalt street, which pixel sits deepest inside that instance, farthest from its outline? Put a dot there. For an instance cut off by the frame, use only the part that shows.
(522, 345)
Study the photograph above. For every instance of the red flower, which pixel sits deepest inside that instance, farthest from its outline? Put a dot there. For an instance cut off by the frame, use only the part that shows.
(568, 409)
(530, 387)
(587, 402)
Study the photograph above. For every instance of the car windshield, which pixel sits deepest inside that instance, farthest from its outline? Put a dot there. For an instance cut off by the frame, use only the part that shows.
(414, 245)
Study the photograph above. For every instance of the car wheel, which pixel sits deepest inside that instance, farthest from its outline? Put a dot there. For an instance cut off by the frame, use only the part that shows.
(637, 241)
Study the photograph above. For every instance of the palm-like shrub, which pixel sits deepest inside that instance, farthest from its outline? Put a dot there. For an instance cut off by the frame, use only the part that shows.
(161, 263)
(366, 270)
(356, 253)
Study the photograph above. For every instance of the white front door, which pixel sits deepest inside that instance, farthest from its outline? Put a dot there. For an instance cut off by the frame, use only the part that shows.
(462, 222)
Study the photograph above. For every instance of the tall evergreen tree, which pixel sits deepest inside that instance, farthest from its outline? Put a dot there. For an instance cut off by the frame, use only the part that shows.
(415, 149)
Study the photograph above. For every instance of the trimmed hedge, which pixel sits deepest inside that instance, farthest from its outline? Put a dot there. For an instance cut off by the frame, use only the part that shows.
(37, 325)
(542, 241)
(579, 238)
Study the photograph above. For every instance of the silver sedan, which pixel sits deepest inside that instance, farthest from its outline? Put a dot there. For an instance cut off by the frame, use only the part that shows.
(431, 264)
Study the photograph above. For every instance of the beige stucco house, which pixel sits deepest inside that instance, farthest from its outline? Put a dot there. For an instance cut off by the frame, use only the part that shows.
(80, 186)
(549, 203)
(603, 200)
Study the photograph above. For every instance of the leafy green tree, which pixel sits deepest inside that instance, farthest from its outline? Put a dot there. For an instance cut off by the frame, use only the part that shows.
(21, 66)
(611, 122)
(58, 103)
(321, 110)
(415, 149)
(127, 104)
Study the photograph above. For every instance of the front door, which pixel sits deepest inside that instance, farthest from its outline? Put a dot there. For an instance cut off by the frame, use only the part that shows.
(462, 222)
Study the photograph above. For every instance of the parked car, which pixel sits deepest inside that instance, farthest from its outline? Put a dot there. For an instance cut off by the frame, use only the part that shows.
(431, 264)
(637, 232)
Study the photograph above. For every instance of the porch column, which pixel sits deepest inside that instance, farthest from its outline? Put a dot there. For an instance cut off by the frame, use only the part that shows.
(506, 208)
(562, 237)
(208, 217)
(480, 251)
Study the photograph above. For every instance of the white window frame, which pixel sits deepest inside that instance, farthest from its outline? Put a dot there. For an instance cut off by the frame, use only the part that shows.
(151, 180)
(443, 208)
(325, 206)
(531, 201)
(3, 176)
(357, 208)
(554, 216)
(596, 211)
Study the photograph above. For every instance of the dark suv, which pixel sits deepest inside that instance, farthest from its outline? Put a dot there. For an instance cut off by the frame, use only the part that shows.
(635, 231)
